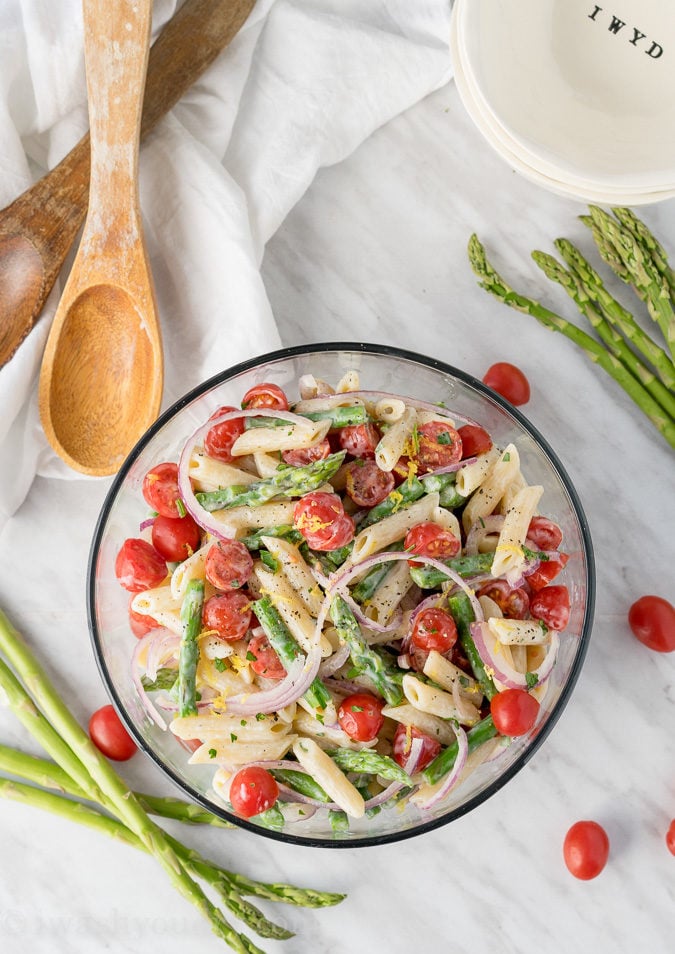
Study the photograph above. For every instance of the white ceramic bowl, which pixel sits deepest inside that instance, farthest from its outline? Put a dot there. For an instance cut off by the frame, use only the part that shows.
(581, 99)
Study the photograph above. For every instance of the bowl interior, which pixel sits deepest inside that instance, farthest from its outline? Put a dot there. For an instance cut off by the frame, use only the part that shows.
(384, 369)
(579, 85)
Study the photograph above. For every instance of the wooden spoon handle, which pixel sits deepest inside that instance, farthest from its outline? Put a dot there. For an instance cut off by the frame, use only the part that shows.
(116, 45)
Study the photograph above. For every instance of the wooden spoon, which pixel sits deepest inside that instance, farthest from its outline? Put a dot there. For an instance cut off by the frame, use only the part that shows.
(102, 370)
(39, 227)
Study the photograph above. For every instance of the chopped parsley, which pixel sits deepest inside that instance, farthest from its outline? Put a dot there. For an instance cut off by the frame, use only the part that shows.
(233, 737)
(212, 753)
(250, 656)
(531, 680)
(506, 458)
(259, 716)
(180, 507)
(444, 438)
(220, 665)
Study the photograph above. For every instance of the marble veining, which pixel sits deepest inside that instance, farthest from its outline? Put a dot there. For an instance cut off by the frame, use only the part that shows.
(376, 251)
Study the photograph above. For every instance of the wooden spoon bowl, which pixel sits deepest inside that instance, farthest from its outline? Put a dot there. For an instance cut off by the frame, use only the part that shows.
(102, 371)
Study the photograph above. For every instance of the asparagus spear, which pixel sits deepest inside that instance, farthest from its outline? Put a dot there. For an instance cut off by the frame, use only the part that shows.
(282, 642)
(191, 620)
(411, 490)
(643, 272)
(365, 658)
(493, 282)
(649, 242)
(340, 416)
(428, 577)
(287, 482)
(463, 615)
(441, 765)
(370, 762)
(615, 313)
(301, 782)
(615, 343)
(284, 531)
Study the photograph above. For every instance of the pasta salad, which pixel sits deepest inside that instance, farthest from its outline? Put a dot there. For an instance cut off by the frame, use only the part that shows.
(342, 603)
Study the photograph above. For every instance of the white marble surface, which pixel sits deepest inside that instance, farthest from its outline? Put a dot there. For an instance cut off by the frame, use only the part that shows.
(376, 251)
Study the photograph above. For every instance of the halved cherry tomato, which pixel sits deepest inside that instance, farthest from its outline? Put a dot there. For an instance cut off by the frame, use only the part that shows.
(359, 440)
(306, 455)
(139, 623)
(160, 489)
(545, 534)
(264, 660)
(434, 629)
(670, 837)
(509, 381)
(586, 849)
(228, 565)
(320, 518)
(109, 735)
(514, 603)
(475, 440)
(430, 540)
(228, 613)
(175, 538)
(367, 484)
(403, 738)
(514, 711)
(652, 620)
(253, 790)
(360, 716)
(265, 395)
(439, 446)
(552, 605)
(219, 440)
(546, 572)
(139, 566)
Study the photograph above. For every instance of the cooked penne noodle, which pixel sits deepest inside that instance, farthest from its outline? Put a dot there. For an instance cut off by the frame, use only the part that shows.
(207, 473)
(326, 402)
(490, 492)
(297, 572)
(522, 632)
(389, 410)
(266, 439)
(349, 381)
(446, 519)
(239, 520)
(425, 722)
(160, 604)
(214, 725)
(327, 735)
(191, 569)
(266, 464)
(333, 781)
(437, 702)
(224, 751)
(516, 485)
(387, 597)
(426, 416)
(393, 441)
(447, 675)
(380, 535)
(509, 555)
(471, 476)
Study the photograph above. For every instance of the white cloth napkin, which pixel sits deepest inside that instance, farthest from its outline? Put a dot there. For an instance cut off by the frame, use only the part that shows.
(303, 83)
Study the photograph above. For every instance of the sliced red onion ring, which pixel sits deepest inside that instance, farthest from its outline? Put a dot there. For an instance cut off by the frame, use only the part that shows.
(450, 779)
(412, 759)
(334, 661)
(338, 580)
(299, 677)
(449, 468)
(146, 523)
(142, 645)
(372, 624)
(196, 511)
(481, 529)
(162, 648)
(493, 658)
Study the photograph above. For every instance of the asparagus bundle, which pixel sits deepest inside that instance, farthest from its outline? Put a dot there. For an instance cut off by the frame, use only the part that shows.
(80, 784)
(644, 369)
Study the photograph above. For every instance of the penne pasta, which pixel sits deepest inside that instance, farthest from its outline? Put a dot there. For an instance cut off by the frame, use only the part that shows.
(509, 555)
(437, 702)
(331, 779)
(431, 725)
(267, 439)
(207, 473)
(297, 572)
(490, 492)
(471, 476)
(289, 606)
(393, 441)
(380, 535)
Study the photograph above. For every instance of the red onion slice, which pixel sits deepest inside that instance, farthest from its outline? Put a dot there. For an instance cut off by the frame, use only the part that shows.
(334, 661)
(481, 529)
(442, 413)
(299, 677)
(163, 647)
(142, 645)
(451, 778)
(144, 524)
(489, 650)
(450, 468)
(412, 759)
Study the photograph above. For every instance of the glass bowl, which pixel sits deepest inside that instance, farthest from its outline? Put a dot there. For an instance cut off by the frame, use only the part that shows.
(380, 368)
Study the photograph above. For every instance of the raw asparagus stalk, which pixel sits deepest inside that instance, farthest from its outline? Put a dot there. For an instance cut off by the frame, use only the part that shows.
(441, 765)
(642, 271)
(78, 756)
(365, 658)
(612, 339)
(649, 242)
(287, 482)
(282, 642)
(47, 774)
(302, 783)
(191, 620)
(370, 762)
(615, 313)
(492, 282)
